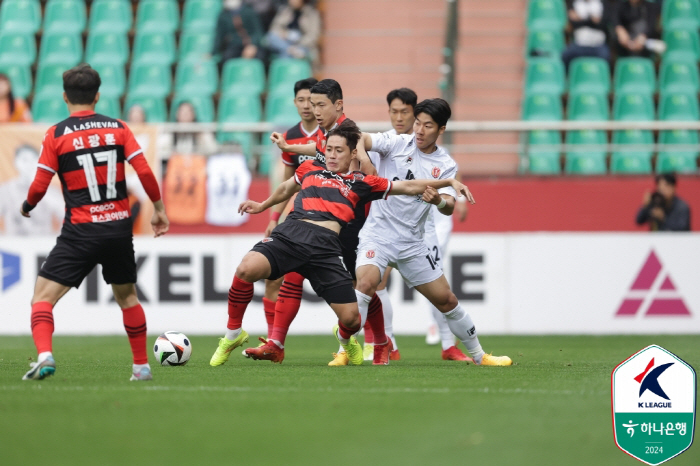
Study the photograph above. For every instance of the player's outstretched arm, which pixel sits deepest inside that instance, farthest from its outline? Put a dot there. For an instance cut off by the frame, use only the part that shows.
(283, 192)
(302, 149)
(159, 220)
(366, 165)
(415, 187)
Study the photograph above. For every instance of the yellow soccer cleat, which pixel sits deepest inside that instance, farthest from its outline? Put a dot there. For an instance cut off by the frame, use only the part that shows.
(339, 359)
(491, 360)
(225, 347)
(353, 349)
(368, 352)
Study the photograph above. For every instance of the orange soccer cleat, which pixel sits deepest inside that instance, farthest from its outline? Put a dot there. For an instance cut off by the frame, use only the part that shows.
(382, 353)
(455, 354)
(395, 355)
(268, 351)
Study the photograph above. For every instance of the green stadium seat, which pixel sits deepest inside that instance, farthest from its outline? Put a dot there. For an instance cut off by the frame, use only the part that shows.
(543, 152)
(280, 109)
(683, 162)
(194, 46)
(243, 75)
(112, 16)
(17, 49)
(632, 159)
(108, 106)
(156, 48)
(678, 77)
(284, 72)
(590, 158)
(681, 44)
(49, 109)
(203, 107)
(200, 15)
(546, 15)
(588, 107)
(545, 76)
(680, 14)
(157, 16)
(682, 159)
(150, 80)
(109, 48)
(240, 108)
(633, 107)
(678, 107)
(66, 16)
(61, 49)
(20, 79)
(591, 75)
(154, 107)
(113, 80)
(635, 74)
(197, 78)
(542, 107)
(21, 16)
(547, 43)
(49, 79)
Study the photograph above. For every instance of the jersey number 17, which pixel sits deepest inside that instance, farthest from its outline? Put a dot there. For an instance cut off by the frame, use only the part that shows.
(85, 161)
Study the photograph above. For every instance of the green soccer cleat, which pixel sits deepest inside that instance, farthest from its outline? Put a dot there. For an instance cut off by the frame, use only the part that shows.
(368, 352)
(225, 347)
(353, 349)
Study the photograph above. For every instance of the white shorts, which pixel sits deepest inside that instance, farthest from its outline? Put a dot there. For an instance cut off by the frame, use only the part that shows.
(415, 262)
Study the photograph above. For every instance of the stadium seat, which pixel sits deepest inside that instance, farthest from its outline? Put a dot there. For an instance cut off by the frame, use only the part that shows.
(588, 74)
(153, 107)
(683, 162)
(681, 107)
(109, 48)
(110, 16)
(280, 109)
(108, 106)
(632, 159)
(590, 158)
(681, 44)
(544, 76)
(683, 159)
(194, 46)
(240, 108)
(66, 16)
(150, 80)
(243, 75)
(678, 77)
(197, 78)
(542, 107)
(543, 153)
(680, 14)
(113, 80)
(17, 49)
(49, 109)
(284, 72)
(49, 79)
(23, 16)
(588, 107)
(203, 107)
(61, 49)
(200, 15)
(635, 74)
(633, 107)
(545, 43)
(20, 79)
(157, 16)
(546, 15)
(156, 48)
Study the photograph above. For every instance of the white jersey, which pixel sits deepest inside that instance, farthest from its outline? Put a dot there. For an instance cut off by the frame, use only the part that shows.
(228, 180)
(401, 219)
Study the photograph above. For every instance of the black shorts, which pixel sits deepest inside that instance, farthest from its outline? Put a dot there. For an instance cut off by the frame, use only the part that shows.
(349, 240)
(312, 251)
(71, 260)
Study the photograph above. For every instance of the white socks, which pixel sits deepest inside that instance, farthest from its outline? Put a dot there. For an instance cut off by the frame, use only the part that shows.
(363, 304)
(232, 334)
(446, 336)
(43, 356)
(462, 326)
(388, 311)
(277, 342)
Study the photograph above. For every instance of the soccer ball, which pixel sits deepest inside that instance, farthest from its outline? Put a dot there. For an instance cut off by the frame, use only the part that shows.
(173, 349)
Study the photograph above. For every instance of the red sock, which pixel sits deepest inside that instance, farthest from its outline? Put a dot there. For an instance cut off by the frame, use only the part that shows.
(369, 334)
(269, 307)
(288, 304)
(346, 332)
(135, 325)
(42, 325)
(240, 294)
(375, 320)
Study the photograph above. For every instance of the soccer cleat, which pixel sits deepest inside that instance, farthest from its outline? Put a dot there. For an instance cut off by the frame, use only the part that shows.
(142, 375)
(225, 347)
(40, 370)
(455, 354)
(368, 352)
(433, 335)
(339, 359)
(382, 353)
(268, 351)
(491, 360)
(395, 355)
(352, 348)
(262, 343)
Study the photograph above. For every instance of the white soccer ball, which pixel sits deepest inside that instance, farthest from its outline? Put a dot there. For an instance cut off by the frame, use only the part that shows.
(173, 349)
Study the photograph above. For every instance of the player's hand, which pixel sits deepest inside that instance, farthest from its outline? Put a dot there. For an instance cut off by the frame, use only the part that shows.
(159, 223)
(250, 207)
(278, 139)
(431, 196)
(24, 214)
(658, 213)
(270, 226)
(461, 210)
(462, 190)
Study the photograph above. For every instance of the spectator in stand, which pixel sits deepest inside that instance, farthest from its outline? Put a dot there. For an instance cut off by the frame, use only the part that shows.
(12, 110)
(136, 115)
(638, 22)
(662, 209)
(295, 31)
(184, 143)
(588, 24)
(238, 32)
(266, 10)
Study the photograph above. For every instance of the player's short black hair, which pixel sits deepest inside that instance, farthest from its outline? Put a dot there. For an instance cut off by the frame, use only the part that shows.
(328, 87)
(405, 95)
(81, 84)
(669, 178)
(438, 109)
(348, 130)
(302, 84)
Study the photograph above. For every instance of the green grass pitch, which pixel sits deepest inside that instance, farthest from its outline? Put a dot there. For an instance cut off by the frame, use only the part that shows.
(551, 408)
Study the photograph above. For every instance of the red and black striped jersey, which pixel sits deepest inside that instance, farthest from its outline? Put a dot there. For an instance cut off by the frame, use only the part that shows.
(87, 151)
(298, 135)
(321, 136)
(325, 195)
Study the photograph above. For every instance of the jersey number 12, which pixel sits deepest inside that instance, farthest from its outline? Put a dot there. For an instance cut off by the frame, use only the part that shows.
(85, 161)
